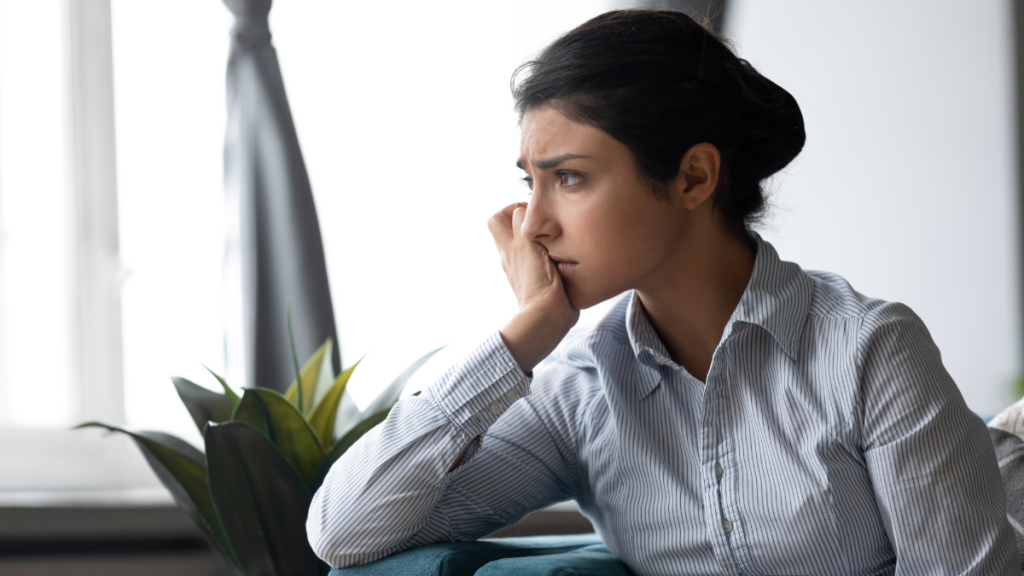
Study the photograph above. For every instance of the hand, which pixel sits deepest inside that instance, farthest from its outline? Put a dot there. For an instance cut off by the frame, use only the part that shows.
(545, 313)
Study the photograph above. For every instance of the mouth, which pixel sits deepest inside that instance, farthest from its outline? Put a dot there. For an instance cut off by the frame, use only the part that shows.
(564, 266)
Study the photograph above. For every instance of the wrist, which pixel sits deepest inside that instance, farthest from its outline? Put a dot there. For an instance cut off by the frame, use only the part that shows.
(533, 333)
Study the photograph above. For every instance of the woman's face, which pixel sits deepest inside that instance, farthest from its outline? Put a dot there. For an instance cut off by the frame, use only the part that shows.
(588, 206)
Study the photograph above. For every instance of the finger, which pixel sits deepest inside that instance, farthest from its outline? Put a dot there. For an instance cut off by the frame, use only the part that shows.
(501, 230)
(518, 215)
(503, 217)
(507, 210)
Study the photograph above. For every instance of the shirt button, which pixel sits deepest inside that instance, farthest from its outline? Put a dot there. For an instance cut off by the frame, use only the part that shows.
(659, 359)
(497, 408)
(718, 471)
(727, 526)
(512, 395)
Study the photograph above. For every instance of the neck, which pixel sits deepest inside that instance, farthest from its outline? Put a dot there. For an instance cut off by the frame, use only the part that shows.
(690, 298)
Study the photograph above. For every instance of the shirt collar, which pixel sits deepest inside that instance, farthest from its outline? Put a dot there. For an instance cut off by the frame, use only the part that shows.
(777, 298)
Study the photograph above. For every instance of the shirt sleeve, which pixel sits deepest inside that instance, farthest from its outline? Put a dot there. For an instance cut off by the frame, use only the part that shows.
(929, 457)
(392, 490)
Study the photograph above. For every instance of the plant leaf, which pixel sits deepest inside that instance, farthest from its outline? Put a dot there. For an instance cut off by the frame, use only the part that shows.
(295, 357)
(343, 444)
(326, 377)
(260, 500)
(390, 395)
(231, 394)
(326, 411)
(181, 467)
(202, 404)
(310, 373)
(348, 415)
(280, 422)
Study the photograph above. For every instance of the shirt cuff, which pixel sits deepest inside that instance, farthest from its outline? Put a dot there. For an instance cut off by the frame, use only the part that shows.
(480, 388)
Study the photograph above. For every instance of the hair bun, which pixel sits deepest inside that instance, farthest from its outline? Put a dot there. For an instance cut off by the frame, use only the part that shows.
(771, 131)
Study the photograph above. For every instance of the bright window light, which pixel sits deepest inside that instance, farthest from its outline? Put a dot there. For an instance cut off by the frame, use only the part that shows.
(170, 114)
(37, 387)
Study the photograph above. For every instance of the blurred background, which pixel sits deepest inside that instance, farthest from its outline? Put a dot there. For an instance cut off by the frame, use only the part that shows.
(113, 220)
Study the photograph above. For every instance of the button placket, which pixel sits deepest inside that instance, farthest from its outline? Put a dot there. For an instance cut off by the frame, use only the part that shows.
(717, 446)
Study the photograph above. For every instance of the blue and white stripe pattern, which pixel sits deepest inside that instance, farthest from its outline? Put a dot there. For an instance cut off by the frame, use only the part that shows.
(828, 439)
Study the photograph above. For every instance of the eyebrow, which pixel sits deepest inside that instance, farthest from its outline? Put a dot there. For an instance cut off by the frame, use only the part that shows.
(550, 162)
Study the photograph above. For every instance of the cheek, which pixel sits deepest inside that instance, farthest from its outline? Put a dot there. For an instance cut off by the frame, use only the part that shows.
(616, 248)
(624, 238)
(620, 233)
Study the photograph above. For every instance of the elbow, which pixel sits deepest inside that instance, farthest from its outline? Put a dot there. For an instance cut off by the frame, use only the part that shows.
(337, 538)
(327, 539)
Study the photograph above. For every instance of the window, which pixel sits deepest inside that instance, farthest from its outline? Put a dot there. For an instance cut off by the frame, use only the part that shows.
(37, 382)
(60, 344)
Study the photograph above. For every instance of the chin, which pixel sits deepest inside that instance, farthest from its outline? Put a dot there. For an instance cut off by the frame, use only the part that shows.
(583, 299)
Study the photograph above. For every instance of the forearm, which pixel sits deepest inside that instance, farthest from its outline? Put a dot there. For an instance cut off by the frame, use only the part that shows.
(379, 497)
(533, 333)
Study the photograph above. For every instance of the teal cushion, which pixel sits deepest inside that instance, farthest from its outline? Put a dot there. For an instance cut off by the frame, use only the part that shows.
(465, 558)
(593, 560)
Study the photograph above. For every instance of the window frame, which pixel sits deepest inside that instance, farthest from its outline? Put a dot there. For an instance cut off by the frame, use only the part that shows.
(46, 459)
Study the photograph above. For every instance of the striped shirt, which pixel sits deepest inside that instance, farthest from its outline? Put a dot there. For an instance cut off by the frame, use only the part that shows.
(828, 439)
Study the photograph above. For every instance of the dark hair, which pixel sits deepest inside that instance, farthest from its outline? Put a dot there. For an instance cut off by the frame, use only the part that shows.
(659, 82)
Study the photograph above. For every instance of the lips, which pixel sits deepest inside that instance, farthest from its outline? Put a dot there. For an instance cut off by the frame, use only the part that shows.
(564, 266)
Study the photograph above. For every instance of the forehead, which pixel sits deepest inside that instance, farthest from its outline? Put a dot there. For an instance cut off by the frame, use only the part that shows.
(546, 133)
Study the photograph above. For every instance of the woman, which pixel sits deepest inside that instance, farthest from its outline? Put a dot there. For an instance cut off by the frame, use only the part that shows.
(733, 413)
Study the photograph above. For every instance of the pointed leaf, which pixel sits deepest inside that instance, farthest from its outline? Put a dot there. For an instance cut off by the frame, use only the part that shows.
(343, 444)
(348, 414)
(181, 467)
(202, 404)
(299, 402)
(323, 417)
(260, 500)
(310, 374)
(281, 423)
(390, 395)
(326, 377)
(231, 394)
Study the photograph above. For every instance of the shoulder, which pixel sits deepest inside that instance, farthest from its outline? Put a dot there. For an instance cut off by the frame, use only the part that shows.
(879, 325)
(834, 297)
(901, 382)
(900, 379)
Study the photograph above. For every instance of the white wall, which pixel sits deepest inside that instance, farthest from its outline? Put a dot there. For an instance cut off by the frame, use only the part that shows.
(906, 186)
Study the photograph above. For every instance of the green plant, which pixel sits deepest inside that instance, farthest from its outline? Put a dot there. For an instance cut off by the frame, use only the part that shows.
(266, 455)
(1017, 387)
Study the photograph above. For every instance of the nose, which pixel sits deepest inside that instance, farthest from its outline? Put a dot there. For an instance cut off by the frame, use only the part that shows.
(540, 222)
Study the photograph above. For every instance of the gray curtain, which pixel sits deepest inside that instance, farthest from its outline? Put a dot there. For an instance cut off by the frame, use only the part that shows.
(282, 256)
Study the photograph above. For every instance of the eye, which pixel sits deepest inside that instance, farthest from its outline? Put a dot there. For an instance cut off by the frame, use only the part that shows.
(568, 178)
(528, 180)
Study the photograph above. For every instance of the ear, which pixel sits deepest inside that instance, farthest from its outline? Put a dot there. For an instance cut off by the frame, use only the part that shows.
(698, 175)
